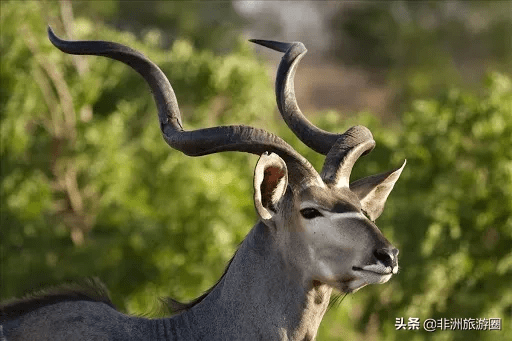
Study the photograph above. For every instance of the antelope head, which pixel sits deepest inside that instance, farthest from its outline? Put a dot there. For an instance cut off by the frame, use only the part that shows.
(324, 224)
(320, 223)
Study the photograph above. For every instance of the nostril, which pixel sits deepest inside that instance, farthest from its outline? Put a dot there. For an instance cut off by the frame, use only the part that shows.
(386, 256)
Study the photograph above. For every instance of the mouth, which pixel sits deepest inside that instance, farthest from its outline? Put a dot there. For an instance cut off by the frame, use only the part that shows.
(362, 276)
(375, 273)
(377, 269)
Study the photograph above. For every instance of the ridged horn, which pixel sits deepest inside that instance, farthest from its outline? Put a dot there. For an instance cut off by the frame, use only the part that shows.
(315, 138)
(342, 150)
(340, 160)
(197, 142)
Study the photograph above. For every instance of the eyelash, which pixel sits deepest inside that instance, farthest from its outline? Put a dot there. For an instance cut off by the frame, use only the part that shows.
(310, 213)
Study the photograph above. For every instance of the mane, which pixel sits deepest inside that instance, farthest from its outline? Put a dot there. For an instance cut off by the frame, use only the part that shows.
(176, 307)
(91, 289)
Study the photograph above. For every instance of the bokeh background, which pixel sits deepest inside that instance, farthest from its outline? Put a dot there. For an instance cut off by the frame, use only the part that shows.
(90, 189)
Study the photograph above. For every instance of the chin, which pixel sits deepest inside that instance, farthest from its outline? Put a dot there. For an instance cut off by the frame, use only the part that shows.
(353, 284)
(347, 286)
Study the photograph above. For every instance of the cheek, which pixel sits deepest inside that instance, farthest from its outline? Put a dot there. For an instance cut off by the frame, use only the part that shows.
(320, 231)
(323, 233)
(331, 255)
(332, 263)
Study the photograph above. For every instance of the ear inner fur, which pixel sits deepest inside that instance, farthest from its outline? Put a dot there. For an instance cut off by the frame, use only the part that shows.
(271, 186)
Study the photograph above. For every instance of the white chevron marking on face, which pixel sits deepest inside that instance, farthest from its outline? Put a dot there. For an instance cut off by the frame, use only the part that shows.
(334, 215)
(350, 215)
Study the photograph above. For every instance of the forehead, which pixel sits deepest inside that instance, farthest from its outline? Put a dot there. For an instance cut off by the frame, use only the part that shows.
(333, 199)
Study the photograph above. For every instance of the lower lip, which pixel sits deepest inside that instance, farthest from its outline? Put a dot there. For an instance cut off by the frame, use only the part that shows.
(355, 268)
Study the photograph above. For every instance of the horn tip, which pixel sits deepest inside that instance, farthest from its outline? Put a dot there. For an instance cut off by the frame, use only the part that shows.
(52, 36)
(274, 45)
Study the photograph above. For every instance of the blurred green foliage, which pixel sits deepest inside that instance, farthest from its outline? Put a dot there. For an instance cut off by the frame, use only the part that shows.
(89, 188)
(205, 24)
(422, 48)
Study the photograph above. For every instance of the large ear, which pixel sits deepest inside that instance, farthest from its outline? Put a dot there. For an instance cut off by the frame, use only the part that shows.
(374, 190)
(270, 182)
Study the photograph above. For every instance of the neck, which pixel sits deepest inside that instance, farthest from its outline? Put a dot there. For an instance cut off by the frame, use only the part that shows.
(261, 296)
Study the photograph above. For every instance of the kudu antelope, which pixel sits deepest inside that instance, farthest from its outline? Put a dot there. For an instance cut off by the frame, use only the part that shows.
(315, 231)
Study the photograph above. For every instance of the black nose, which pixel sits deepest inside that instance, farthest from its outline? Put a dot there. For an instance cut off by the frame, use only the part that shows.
(387, 256)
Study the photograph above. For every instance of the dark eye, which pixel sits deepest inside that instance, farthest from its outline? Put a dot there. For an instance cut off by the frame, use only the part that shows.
(310, 213)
